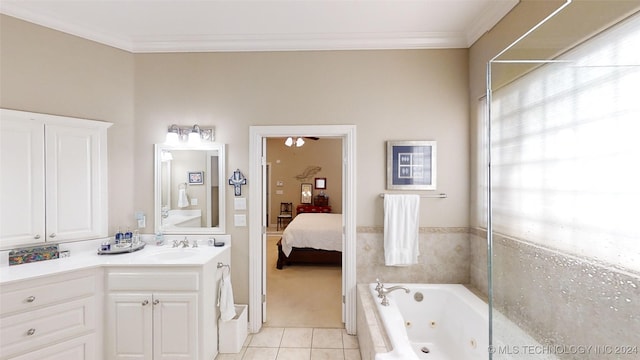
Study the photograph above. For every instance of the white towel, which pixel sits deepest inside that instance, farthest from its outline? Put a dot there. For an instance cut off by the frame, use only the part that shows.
(183, 200)
(401, 229)
(225, 299)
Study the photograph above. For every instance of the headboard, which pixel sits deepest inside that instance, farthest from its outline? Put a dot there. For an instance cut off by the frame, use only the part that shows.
(308, 208)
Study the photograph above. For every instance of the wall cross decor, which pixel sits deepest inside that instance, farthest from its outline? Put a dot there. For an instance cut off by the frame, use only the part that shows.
(237, 180)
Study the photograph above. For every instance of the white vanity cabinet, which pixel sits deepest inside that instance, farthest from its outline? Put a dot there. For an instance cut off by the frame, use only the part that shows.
(162, 313)
(52, 317)
(54, 178)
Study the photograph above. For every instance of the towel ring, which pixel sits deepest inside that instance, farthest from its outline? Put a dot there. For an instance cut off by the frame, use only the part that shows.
(221, 265)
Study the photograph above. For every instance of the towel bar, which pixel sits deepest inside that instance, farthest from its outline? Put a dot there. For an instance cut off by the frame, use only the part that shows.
(439, 196)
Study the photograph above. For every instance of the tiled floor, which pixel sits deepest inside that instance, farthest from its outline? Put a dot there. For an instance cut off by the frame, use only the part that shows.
(273, 343)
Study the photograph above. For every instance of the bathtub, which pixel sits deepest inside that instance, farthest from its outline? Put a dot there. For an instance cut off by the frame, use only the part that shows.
(434, 321)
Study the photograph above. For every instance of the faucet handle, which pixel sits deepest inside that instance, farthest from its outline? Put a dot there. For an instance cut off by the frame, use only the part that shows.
(175, 243)
(195, 243)
(379, 284)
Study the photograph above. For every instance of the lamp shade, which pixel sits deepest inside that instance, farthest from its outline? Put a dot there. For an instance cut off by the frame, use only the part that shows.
(289, 141)
(172, 138)
(194, 138)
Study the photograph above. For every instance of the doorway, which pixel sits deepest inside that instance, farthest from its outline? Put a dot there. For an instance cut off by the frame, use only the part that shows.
(257, 224)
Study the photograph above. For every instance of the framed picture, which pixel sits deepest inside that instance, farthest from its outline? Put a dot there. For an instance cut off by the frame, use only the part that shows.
(196, 177)
(306, 193)
(411, 165)
(321, 183)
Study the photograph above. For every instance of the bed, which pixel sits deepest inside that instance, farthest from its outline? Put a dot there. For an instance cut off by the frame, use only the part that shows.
(311, 238)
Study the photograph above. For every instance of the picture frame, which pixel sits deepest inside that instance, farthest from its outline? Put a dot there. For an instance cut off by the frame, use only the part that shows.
(306, 193)
(320, 183)
(411, 165)
(195, 177)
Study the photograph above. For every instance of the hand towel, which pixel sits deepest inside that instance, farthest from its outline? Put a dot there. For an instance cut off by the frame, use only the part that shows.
(401, 218)
(225, 299)
(183, 200)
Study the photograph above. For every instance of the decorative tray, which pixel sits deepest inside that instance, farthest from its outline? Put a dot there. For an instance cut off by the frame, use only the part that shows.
(122, 250)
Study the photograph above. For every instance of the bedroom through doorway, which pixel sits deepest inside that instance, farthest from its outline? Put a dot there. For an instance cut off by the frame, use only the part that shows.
(308, 177)
(258, 282)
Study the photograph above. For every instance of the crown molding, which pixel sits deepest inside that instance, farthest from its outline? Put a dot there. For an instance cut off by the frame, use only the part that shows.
(272, 42)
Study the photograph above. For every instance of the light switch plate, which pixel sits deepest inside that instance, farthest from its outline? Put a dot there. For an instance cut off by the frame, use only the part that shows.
(240, 220)
(240, 203)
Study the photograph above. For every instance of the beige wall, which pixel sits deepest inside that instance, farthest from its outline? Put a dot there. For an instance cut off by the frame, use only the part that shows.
(50, 72)
(388, 95)
(289, 162)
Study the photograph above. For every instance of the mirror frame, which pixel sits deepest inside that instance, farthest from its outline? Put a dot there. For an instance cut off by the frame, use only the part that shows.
(222, 167)
(306, 193)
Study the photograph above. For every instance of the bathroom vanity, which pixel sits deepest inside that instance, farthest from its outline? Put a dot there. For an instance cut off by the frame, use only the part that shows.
(157, 303)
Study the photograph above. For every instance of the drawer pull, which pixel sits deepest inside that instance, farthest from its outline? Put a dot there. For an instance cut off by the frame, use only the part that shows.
(146, 302)
(156, 302)
(31, 299)
(31, 331)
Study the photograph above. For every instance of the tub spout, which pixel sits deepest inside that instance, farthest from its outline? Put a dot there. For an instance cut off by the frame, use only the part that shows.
(383, 291)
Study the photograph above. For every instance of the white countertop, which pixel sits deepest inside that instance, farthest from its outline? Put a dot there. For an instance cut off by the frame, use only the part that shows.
(86, 257)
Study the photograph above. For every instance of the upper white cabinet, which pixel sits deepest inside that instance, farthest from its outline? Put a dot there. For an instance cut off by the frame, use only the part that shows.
(53, 178)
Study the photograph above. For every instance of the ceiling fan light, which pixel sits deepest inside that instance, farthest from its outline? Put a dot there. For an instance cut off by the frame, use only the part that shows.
(289, 141)
(299, 142)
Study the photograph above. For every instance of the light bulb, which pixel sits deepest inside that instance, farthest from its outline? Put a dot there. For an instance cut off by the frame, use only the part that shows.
(289, 141)
(194, 138)
(299, 142)
(172, 138)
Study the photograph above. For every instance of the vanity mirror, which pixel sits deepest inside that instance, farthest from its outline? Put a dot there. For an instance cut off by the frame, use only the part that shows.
(189, 189)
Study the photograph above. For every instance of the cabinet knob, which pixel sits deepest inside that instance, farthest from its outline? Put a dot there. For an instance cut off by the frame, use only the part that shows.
(31, 331)
(156, 302)
(146, 302)
(52, 235)
(37, 236)
(31, 299)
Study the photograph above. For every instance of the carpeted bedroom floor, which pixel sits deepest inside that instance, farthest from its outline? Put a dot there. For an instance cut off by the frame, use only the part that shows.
(302, 295)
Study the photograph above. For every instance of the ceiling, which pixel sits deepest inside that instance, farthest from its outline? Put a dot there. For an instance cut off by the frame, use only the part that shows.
(142, 26)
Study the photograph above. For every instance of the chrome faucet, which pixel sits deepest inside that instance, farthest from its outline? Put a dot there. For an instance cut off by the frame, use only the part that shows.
(383, 291)
(184, 243)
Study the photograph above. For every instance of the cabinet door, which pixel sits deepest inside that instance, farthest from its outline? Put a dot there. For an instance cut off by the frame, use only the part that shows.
(129, 327)
(21, 180)
(175, 326)
(75, 183)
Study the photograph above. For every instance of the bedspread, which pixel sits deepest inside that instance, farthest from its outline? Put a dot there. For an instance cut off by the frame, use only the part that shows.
(311, 230)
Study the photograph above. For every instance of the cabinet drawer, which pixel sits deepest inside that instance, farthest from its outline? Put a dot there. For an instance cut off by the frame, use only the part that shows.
(41, 294)
(153, 281)
(80, 348)
(46, 325)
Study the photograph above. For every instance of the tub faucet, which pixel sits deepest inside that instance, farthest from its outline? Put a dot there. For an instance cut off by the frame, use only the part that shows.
(382, 293)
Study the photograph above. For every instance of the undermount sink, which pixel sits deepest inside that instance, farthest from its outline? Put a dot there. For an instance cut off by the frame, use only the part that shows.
(173, 254)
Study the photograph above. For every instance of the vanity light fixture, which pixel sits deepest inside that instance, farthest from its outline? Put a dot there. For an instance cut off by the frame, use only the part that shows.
(173, 135)
(194, 135)
(289, 142)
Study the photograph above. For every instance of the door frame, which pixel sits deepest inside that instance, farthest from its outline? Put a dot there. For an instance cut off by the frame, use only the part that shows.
(257, 228)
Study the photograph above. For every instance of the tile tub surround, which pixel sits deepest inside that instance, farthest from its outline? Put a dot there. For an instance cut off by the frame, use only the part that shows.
(560, 299)
(444, 257)
(372, 338)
